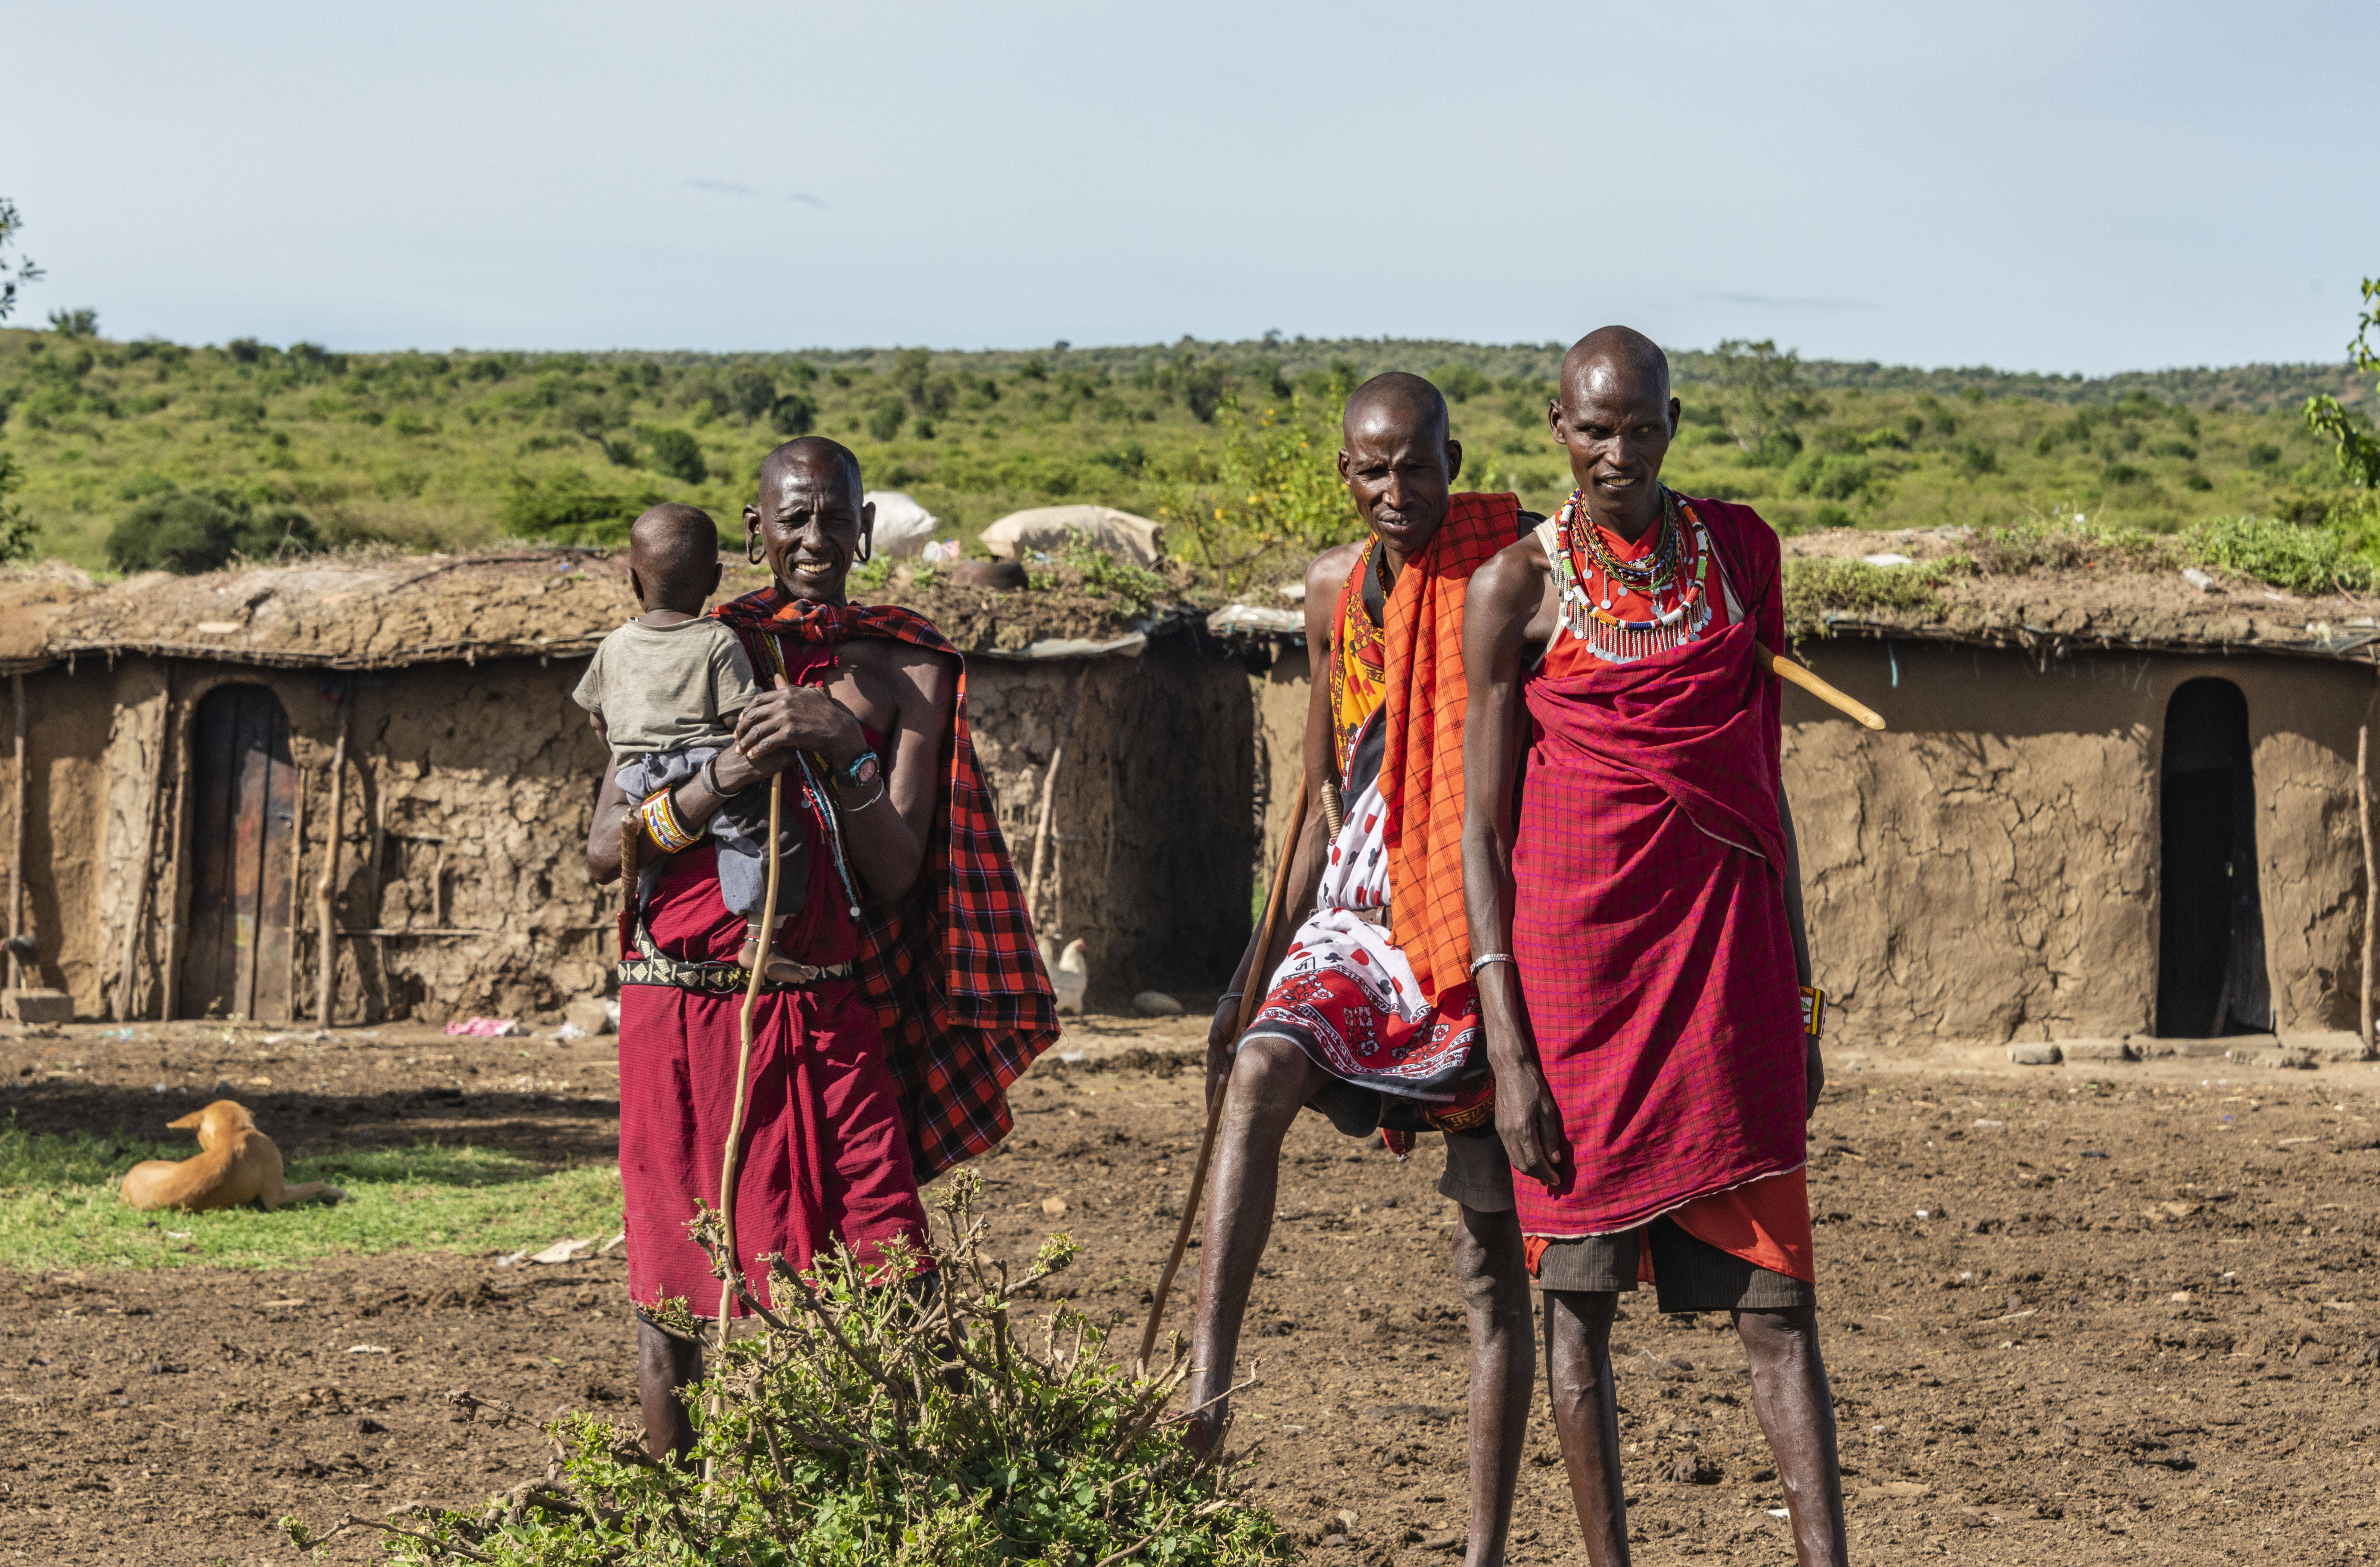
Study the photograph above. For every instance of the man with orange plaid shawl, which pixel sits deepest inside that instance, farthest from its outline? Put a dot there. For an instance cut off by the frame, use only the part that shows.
(1369, 1017)
(919, 996)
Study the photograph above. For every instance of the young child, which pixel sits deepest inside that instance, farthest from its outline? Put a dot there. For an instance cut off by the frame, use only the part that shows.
(664, 692)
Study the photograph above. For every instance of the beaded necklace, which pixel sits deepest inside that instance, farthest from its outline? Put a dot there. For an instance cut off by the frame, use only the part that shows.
(1677, 567)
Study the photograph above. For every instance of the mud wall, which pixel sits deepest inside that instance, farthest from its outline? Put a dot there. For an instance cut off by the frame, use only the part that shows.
(1281, 699)
(461, 883)
(1151, 826)
(1987, 869)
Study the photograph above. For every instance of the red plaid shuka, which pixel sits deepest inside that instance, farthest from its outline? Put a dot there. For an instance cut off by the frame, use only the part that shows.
(951, 970)
(1649, 921)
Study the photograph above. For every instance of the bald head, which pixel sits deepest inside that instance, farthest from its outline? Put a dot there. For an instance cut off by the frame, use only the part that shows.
(674, 552)
(1397, 400)
(814, 453)
(1622, 357)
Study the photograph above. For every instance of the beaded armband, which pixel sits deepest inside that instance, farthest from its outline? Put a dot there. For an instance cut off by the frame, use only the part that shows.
(1813, 1012)
(660, 816)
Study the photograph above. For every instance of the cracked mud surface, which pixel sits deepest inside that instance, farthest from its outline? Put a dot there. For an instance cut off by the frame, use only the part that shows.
(2124, 1328)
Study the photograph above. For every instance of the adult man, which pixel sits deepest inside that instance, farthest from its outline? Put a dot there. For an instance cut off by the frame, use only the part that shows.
(1649, 910)
(924, 997)
(1370, 1019)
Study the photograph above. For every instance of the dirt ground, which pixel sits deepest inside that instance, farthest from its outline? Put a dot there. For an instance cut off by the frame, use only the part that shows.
(2073, 1313)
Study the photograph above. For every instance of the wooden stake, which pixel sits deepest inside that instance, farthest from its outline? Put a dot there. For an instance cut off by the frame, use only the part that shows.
(130, 972)
(2363, 819)
(1257, 972)
(289, 1002)
(17, 858)
(731, 1158)
(1785, 669)
(326, 890)
(1050, 796)
(177, 893)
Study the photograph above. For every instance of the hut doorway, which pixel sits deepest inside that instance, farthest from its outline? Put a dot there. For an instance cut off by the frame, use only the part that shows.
(2211, 977)
(244, 860)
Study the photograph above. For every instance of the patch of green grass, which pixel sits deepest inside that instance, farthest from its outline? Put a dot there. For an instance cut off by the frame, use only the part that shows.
(59, 1207)
(1817, 586)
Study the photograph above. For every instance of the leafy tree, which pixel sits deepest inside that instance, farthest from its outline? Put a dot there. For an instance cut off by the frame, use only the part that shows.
(1460, 383)
(909, 367)
(795, 413)
(15, 529)
(884, 420)
(1762, 397)
(751, 393)
(1274, 494)
(193, 530)
(25, 271)
(678, 454)
(2358, 448)
(83, 322)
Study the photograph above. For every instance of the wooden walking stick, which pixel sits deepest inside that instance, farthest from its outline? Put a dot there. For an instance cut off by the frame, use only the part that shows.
(1255, 988)
(732, 1155)
(1785, 669)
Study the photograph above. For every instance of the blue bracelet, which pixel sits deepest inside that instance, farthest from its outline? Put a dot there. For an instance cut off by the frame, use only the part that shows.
(849, 773)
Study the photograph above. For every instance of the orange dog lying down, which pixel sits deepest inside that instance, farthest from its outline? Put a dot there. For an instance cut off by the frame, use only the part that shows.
(236, 1164)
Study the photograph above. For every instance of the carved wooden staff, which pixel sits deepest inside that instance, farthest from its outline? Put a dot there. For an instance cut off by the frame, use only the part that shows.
(1248, 994)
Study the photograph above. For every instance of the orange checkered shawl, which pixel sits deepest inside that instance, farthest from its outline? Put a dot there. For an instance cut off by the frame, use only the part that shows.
(951, 969)
(1421, 774)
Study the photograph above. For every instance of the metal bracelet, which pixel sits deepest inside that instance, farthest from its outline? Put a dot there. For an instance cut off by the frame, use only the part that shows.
(1484, 959)
(854, 810)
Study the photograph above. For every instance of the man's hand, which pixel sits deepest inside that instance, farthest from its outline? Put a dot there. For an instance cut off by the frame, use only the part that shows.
(1814, 1077)
(1530, 1123)
(1222, 1034)
(791, 719)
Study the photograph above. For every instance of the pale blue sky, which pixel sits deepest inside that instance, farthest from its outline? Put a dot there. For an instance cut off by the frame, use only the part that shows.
(2055, 187)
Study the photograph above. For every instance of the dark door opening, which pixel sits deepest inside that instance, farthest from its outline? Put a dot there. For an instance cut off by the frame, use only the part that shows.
(243, 857)
(2211, 926)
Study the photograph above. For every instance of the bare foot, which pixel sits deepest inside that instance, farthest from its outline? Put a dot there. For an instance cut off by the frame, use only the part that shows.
(781, 969)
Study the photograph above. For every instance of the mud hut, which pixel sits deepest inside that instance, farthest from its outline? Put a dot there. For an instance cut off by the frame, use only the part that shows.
(2111, 806)
(358, 790)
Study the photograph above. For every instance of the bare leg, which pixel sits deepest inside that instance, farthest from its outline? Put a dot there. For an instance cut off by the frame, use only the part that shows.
(1270, 1078)
(1586, 1417)
(665, 1364)
(1796, 1409)
(1495, 1280)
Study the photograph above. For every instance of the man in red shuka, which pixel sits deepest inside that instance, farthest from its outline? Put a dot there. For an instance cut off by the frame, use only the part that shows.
(1638, 934)
(916, 996)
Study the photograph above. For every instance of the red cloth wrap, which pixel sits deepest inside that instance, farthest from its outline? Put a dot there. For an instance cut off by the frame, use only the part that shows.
(1650, 924)
(825, 1157)
(950, 968)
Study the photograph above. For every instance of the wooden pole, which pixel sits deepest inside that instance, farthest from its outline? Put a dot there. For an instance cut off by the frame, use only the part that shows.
(175, 893)
(1785, 669)
(17, 858)
(130, 971)
(326, 890)
(1050, 794)
(2363, 819)
(1255, 988)
(731, 1158)
(290, 992)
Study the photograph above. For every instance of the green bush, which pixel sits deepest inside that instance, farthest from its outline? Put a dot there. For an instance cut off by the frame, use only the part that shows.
(189, 531)
(678, 454)
(868, 1426)
(794, 414)
(566, 509)
(2302, 558)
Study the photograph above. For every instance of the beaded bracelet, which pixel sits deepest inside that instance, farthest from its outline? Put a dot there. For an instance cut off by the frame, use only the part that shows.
(1484, 959)
(660, 817)
(1813, 1012)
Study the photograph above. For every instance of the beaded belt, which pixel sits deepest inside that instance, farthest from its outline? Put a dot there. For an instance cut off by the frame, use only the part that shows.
(650, 966)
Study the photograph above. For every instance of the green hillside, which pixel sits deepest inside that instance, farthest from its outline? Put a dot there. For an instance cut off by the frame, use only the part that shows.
(439, 450)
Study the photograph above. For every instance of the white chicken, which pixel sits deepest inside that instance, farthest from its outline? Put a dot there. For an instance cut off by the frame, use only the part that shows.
(1072, 977)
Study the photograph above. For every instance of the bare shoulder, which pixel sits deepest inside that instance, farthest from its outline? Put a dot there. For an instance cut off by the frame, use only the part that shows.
(1330, 568)
(1513, 576)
